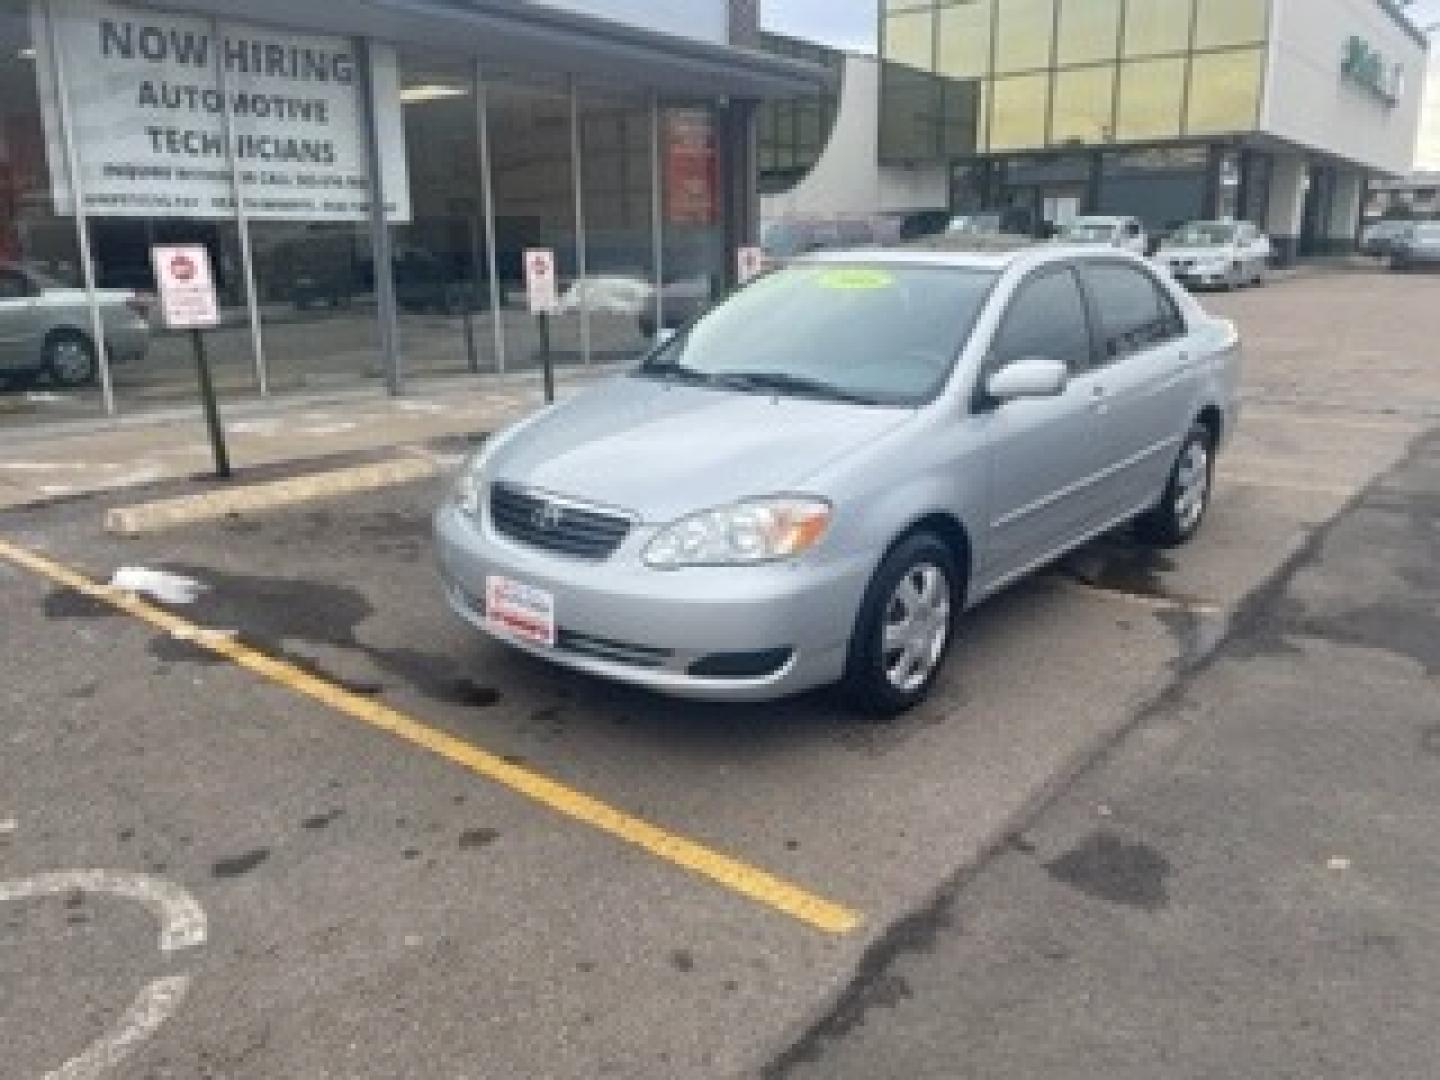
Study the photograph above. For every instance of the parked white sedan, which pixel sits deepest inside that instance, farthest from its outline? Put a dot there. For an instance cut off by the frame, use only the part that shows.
(45, 327)
(1126, 233)
(1217, 254)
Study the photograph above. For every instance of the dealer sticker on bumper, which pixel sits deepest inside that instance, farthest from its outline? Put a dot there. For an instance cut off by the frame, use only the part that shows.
(520, 610)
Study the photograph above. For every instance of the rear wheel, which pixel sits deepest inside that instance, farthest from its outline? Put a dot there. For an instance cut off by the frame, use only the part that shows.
(904, 627)
(1178, 514)
(68, 358)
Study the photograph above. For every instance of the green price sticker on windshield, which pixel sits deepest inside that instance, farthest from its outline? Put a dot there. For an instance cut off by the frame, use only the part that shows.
(855, 277)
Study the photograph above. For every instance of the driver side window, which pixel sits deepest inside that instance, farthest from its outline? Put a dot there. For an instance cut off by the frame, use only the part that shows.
(1046, 319)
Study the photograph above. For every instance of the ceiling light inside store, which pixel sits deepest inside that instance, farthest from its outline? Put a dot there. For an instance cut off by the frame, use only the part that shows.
(423, 92)
(26, 54)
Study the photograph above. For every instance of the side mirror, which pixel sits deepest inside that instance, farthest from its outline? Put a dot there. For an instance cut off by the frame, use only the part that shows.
(1033, 377)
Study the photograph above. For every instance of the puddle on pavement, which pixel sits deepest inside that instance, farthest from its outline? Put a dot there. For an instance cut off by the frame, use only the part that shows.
(1117, 565)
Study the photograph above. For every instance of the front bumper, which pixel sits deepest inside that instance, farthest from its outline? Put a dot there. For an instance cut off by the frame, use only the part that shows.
(1193, 277)
(621, 620)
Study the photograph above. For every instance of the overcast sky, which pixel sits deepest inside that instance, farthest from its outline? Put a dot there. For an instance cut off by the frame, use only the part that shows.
(851, 24)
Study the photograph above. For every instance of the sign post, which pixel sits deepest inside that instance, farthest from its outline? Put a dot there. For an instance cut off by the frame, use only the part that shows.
(188, 302)
(544, 299)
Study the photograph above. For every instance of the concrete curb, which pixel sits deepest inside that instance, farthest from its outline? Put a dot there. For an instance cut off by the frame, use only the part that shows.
(276, 494)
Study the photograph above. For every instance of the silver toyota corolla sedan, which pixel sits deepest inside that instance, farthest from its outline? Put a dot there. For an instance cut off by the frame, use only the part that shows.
(813, 481)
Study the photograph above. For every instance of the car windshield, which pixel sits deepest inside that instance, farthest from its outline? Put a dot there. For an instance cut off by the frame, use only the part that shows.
(870, 332)
(1089, 231)
(1202, 234)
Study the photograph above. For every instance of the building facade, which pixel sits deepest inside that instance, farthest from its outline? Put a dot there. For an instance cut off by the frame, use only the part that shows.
(367, 178)
(1279, 111)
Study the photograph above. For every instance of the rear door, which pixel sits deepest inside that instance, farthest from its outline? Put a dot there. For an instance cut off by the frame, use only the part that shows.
(1042, 452)
(1145, 388)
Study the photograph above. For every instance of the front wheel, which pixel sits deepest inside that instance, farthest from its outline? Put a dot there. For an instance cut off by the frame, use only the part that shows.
(904, 627)
(1178, 514)
(69, 359)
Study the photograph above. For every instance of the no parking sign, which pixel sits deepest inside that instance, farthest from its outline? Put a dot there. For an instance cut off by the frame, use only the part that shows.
(540, 284)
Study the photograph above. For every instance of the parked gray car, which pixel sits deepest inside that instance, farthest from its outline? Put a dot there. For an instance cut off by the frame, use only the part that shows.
(45, 327)
(1418, 248)
(816, 479)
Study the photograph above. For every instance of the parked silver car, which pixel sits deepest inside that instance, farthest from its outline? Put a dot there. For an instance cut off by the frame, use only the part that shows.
(1217, 254)
(813, 481)
(1418, 249)
(45, 327)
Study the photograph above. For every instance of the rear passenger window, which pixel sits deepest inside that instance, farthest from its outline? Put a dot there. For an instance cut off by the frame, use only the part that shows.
(1133, 312)
(1045, 320)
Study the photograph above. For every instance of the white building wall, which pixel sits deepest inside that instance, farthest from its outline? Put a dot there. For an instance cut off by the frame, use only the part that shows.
(847, 178)
(1427, 147)
(1307, 100)
(707, 20)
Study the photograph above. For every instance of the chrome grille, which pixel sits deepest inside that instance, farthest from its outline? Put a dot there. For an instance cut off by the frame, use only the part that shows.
(550, 524)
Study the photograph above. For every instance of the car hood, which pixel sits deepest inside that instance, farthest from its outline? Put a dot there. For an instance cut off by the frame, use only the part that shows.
(1200, 252)
(662, 450)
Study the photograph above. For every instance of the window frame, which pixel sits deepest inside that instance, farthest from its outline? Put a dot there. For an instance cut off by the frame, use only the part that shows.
(988, 365)
(1172, 315)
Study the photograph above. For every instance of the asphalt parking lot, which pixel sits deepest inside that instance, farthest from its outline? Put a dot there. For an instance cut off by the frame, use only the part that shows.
(460, 862)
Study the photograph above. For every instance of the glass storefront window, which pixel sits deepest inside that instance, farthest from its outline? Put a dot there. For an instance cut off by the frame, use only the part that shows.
(1157, 26)
(533, 173)
(910, 38)
(1151, 99)
(1164, 187)
(442, 293)
(1084, 98)
(617, 166)
(1023, 35)
(964, 46)
(1020, 105)
(1089, 31)
(1225, 92)
(1222, 24)
(39, 251)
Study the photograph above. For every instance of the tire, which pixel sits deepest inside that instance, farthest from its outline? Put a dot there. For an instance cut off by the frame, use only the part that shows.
(68, 358)
(887, 673)
(1177, 517)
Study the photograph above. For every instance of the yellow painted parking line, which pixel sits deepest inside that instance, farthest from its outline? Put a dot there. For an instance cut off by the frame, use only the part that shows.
(737, 876)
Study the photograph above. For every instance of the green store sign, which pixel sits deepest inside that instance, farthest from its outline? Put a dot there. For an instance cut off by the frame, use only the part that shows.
(1368, 69)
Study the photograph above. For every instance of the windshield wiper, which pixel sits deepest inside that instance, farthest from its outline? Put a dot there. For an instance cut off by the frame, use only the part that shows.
(789, 384)
(673, 369)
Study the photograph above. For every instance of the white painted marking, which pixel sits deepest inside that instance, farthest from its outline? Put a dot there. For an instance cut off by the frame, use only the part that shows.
(159, 585)
(152, 1007)
(45, 397)
(182, 925)
(8, 825)
(182, 920)
(321, 430)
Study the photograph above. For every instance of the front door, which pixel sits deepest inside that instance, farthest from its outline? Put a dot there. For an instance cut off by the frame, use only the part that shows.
(1042, 451)
(20, 321)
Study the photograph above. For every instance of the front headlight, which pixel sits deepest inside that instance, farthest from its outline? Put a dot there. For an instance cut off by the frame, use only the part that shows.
(755, 531)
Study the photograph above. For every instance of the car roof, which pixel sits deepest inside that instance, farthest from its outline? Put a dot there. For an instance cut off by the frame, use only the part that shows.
(994, 255)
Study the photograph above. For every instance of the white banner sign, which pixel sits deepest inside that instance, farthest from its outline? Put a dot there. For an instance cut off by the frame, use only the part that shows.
(186, 285)
(540, 284)
(147, 115)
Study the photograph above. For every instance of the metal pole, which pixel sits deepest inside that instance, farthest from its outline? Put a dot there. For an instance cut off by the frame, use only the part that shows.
(212, 408)
(82, 222)
(472, 361)
(657, 212)
(487, 192)
(577, 179)
(547, 361)
(379, 224)
(242, 219)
